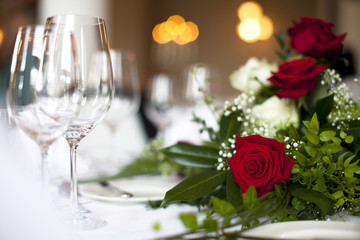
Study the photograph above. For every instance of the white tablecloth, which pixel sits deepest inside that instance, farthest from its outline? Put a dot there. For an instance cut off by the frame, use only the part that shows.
(25, 215)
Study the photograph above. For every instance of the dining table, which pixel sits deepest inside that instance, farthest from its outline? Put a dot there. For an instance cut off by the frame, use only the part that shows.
(28, 213)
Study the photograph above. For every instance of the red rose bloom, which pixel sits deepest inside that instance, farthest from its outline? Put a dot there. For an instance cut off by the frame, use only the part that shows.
(260, 162)
(313, 37)
(297, 77)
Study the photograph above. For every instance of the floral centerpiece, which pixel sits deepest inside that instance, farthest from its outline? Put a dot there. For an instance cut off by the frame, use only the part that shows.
(286, 148)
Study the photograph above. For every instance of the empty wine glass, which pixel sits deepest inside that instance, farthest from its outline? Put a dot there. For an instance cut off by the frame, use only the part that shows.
(126, 100)
(45, 90)
(160, 100)
(96, 73)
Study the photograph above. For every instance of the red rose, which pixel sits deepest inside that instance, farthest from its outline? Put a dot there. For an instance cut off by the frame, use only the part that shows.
(260, 162)
(297, 77)
(313, 37)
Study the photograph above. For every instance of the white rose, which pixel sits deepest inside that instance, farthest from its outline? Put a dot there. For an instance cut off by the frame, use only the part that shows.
(244, 79)
(279, 112)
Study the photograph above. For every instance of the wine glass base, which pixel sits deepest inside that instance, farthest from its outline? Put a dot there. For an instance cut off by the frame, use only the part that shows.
(83, 223)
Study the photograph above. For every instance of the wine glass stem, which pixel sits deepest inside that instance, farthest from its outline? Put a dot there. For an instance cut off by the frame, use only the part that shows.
(44, 168)
(73, 179)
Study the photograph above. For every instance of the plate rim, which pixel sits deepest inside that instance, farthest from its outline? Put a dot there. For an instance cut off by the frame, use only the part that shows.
(262, 232)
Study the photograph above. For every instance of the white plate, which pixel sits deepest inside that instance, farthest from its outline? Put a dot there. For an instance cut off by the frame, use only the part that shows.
(307, 230)
(143, 188)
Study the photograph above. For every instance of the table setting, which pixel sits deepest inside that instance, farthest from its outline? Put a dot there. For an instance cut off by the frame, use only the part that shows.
(279, 161)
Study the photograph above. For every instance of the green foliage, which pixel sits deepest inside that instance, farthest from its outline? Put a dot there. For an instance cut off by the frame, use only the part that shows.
(284, 52)
(192, 155)
(195, 187)
(233, 191)
(222, 207)
(325, 177)
(229, 126)
(189, 220)
(156, 226)
(205, 128)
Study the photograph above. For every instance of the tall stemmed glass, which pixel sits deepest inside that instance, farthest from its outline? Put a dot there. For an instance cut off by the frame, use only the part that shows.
(45, 89)
(96, 73)
(160, 101)
(127, 87)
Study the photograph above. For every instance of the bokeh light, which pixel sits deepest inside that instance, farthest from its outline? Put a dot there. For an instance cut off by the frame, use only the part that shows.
(175, 29)
(249, 30)
(249, 9)
(1, 36)
(266, 27)
(253, 25)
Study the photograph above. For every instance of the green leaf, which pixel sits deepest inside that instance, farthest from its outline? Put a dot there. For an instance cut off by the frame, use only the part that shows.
(331, 148)
(327, 136)
(250, 197)
(229, 126)
(210, 224)
(340, 161)
(349, 139)
(352, 127)
(293, 133)
(194, 187)
(295, 169)
(302, 159)
(348, 160)
(312, 151)
(331, 168)
(298, 204)
(338, 194)
(324, 106)
(192, 155)
(340, 202)
(320, 186)
(233, 190)
(312, 137)
(313, 125)
(222, 207)
(309, 195)
(326, 159)
(189, 220)
(343, 134)
(336, 140)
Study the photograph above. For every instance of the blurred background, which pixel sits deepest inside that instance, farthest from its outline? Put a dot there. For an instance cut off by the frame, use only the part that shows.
(130, 24)
(138, 26)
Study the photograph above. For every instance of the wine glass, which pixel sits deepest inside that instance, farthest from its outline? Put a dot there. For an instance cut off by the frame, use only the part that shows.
(96, 73)
(45, 90)
(125, 104)
(160, 100)
(127, 88)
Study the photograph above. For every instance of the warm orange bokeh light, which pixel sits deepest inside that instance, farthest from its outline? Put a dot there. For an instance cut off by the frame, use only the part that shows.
(266, 27)
(194, 30)
(177, 19)
(249, 9)
(164, 33)
(156, 35)
(249, 30)
(176, 29)
(1, 36)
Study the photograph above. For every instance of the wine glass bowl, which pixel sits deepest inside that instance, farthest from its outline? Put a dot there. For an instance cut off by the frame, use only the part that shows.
(160, 101)
(39, 101)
